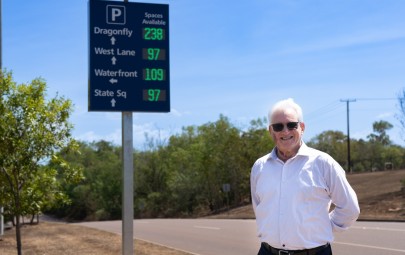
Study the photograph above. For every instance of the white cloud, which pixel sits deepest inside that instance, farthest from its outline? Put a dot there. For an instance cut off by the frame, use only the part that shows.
(91, 136)
(149, 132)
(361, 134)
(385, 115)
(178, 113)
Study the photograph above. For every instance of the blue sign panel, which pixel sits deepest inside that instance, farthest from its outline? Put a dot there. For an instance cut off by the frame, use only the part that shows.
(128, 57)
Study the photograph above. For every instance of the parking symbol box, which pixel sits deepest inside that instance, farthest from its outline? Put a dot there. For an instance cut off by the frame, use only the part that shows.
(116, 15)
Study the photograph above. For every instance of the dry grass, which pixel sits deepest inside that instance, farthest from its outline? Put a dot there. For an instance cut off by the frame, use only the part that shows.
(65, 239)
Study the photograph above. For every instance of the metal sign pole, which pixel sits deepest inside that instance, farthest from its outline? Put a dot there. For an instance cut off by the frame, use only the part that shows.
(1, 222)
(128, 185)
(128, 72)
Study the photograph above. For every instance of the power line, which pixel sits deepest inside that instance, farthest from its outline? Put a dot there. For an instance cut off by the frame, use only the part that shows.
(320, 112)
(376, 99)
(324, 111)
(348, 121)
(333, 106)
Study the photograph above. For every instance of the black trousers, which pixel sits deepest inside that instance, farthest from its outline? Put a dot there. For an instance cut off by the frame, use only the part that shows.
(326, 251)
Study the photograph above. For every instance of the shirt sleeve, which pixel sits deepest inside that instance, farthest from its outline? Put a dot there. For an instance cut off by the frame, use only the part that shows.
(255, 200)
(344, 198)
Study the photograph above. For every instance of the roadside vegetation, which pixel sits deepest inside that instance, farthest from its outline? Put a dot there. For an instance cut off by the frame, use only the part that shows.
(186, 175)
(200, 171)
(32, 129)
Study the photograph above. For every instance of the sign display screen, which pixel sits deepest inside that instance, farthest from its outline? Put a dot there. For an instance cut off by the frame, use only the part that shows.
(128, 57)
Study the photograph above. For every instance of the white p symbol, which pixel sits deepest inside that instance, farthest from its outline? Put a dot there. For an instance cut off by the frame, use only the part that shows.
(116, 14)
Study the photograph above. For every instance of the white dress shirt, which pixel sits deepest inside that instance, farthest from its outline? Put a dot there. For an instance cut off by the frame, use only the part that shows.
(291, 200)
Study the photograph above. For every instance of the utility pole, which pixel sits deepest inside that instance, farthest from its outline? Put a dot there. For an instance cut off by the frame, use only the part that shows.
(349, 167)
(1, 72)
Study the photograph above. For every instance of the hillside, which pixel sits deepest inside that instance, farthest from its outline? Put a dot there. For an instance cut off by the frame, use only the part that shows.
(380, 197)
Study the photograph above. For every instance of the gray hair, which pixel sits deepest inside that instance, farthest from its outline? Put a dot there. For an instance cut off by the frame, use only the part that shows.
(283, 105)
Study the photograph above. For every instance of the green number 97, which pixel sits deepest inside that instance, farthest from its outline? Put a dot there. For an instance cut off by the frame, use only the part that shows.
(153, 53)
(153, 94)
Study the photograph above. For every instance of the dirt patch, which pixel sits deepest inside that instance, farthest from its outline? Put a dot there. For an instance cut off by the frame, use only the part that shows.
(381, 197)
(49, 238)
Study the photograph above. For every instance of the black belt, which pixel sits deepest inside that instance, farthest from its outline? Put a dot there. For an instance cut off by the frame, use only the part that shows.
(312, 251)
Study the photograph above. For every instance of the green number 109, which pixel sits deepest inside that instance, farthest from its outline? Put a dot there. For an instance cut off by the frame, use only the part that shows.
(154, 74)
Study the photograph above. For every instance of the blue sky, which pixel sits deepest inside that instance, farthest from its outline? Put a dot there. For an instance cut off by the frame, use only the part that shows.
(234, 58)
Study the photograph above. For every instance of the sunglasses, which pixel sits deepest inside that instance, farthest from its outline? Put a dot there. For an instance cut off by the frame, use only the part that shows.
(278, 127)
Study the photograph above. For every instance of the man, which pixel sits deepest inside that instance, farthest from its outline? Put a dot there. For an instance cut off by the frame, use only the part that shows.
(292, 190)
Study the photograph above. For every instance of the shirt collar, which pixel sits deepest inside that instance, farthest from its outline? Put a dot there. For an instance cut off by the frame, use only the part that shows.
(303, 151)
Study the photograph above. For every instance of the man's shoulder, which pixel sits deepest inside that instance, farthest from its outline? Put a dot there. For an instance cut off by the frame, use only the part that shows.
(259, 164)
(321, 157)
(315, 153)
(263, 159)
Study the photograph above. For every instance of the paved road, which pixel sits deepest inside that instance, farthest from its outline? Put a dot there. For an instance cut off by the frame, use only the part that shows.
(238, 237)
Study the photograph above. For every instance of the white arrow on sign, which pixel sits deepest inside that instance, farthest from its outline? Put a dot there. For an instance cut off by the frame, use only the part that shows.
(113, 60)
(112, 81)
(113, 40)
(113, 102)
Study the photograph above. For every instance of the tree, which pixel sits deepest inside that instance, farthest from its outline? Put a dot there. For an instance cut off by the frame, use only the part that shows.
(256, 142)
(98, 196)
(220, 146)
(32, 129)
(401, 101)
(331, 142)
(379, 140)
(380, 127)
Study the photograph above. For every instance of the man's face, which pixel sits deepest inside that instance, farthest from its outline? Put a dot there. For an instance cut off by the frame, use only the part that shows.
(288, 139)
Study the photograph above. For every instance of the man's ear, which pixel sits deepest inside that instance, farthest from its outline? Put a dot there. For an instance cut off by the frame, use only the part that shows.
(302, 124)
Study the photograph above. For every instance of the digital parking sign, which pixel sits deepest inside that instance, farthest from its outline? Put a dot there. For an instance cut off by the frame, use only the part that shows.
(128, 57)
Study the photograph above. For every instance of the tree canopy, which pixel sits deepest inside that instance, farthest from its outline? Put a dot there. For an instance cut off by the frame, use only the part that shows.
(187, 175)
(32, 129)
